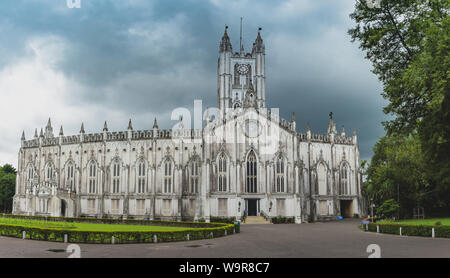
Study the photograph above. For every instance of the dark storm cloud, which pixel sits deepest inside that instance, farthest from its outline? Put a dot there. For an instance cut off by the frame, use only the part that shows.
(149, 57)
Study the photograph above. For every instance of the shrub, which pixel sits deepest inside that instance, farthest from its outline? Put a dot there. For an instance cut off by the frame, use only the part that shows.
(228, 220)
(388, 208)
(283, 220)
(411, 230)
(438, 223)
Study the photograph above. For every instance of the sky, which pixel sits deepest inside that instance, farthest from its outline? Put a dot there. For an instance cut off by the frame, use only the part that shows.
(137, 59)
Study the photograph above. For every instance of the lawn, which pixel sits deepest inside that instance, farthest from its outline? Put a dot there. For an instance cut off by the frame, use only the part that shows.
(90, 226)
(428, 222)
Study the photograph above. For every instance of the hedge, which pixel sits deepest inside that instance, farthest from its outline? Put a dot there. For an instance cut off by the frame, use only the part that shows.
(282, 220)
(410, 230)
(228, 220)
(57, 234)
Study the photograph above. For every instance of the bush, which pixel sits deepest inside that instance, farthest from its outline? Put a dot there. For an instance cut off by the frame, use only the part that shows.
(438, 223)
(228, 220)
(283, 220)
(388, 209)
(411, 230)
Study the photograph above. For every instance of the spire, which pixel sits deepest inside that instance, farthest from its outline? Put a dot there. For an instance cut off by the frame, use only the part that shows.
(105, 127)
(354, 132)
(23, 136)
(331, 125)
(48, 130)
(308, 127)
(241, 47)
(42, 133)
(225, 44)
(155, 124)
(130, 126)
(82, 128)
(293, 117)
(343, 131)
(61, 132)
(258, 46)
(35, 133)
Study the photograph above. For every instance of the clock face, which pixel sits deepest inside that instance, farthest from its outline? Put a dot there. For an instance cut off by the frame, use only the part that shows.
(252, 128)
(242, 69)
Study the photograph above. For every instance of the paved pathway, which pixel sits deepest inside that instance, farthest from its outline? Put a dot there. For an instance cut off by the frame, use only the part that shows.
(328, 240)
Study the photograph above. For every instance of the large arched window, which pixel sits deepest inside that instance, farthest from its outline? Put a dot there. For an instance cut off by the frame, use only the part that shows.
(279, 174)
(70, 176)
(222, 172)
(141, 177)
(344, 175)
(195, 176)
(49, 172)
(30, 175)
(115, 177)
(92, 178)
(322, 179)
(251, 173)
(168, 176)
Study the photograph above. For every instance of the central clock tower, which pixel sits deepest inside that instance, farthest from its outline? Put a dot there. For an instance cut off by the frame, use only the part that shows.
(238, 72)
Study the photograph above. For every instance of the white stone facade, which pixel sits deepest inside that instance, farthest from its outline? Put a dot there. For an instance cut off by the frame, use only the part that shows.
(245, 160)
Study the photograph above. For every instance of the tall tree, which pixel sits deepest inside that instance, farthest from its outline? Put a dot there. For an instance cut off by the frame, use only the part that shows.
(408, 43)
(7, 187)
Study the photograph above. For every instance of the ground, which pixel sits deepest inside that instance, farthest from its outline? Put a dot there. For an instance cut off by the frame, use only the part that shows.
(329, 240)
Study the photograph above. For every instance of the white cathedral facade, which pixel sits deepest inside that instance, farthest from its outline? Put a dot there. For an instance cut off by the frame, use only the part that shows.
(245, 160)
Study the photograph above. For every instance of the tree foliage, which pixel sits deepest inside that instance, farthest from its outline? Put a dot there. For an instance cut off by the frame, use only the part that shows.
(408, 43)
(7, 187)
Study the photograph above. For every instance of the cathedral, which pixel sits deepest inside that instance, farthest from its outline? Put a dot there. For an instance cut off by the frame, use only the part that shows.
(243, 160)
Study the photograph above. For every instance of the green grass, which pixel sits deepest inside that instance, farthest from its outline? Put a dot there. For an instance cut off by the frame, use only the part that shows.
(74, 226)
(427, 222)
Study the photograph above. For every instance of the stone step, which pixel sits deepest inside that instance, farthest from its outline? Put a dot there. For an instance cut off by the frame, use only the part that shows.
(256, 220)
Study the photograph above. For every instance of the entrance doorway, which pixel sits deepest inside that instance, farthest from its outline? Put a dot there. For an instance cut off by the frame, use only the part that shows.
(347, 208)
(63, 208)
(252, 207)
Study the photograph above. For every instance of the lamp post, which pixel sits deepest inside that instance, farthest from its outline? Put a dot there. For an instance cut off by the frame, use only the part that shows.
(398, 200)
(372, 205)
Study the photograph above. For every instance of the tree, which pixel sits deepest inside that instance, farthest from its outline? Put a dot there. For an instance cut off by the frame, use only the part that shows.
(388, 208)
(399, 38)
(408, 43)
(7, 187)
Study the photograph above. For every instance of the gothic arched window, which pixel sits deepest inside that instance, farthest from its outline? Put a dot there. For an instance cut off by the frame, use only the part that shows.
(344, 175)
(168, 176)
(222, 173)
(322, 179)
(30, 175)
(279, 171)
(49, 172)
(251, 173)
(141, 177)
(92, 178)
(70, 176)
(116, 177)
(195, 176)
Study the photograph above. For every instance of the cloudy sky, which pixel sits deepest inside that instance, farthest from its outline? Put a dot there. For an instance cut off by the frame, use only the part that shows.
(122, 59)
